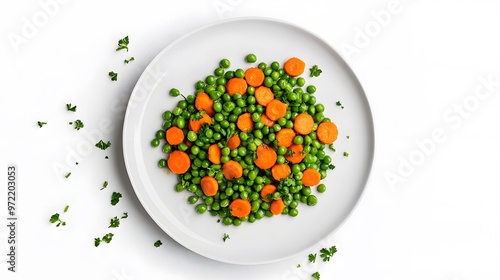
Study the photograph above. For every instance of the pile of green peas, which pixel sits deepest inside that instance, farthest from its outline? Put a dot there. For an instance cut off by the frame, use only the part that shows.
(227, 109)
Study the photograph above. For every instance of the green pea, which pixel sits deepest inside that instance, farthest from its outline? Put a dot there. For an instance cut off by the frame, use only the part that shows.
(193, 199)
(293, 212)
(155, 143)
(258, 125)
(280, 159)
(321, 188)
(298, 139)
(282, 150)
(312, 200)
(220, 82)
(275, 65)
(227, 221)
(319, 117)
(301, 81)
(167, 115)
(240, 73)
(162, 163)
(268, 81)
(174, 92)
(181, 123)
(210, 80)
(296, 169)
(241, 103)
(275, 75)
(260, 214)
(229, 75)
(251, 58)
(311, 89)
(225, 63)
(177, 111)
(166, 148)
(191, 136)
(201, 208)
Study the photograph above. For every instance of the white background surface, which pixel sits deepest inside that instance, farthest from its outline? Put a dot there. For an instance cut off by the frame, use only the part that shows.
(421, 71)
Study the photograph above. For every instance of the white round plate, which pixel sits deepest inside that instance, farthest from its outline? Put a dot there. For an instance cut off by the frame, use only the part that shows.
(194, 56)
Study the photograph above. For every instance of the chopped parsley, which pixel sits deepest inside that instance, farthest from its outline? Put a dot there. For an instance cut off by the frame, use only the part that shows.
(340, 104)
(312, 258)
(106, 157)
(158, 243)
(55, 219)
(315, 71)
(125, 215)
(331, 166)
(225, 237)
(123, 44)
(67, 175)
(108, 237)
(348, 137)
(78, 124)
(40, 124)
(71, 108)
(115, 198)
(103, 145)
(299, 266)
(113, 75)
(326, 254)
(346, 154)
(114, 223)
(97, 241)
(198, 116)
(315, 275)
(66, 208)
(128, 60)
(104, 185)
(331, 147)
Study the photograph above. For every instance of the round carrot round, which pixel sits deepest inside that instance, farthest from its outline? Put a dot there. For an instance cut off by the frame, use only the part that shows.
(263, 95)
(266, 121)
(303, 123)
(214, 154)
(236, 85)
(174, 135)
(285, 137)
(327, 132)
(266, 157)
(267, 190)
(254, 76)
(203, 102)
(294, 67)
(240, 208)
(178, 162)
(276, 109)
(233, 142)
(310, 177)
(244, 122)
(277, 206)
(232, 170)
(195, 125)
(294, 153)
(280, 171)
(209, 185)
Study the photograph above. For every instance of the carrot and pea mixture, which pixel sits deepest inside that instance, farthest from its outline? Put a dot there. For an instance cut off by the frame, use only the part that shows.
(249, 143)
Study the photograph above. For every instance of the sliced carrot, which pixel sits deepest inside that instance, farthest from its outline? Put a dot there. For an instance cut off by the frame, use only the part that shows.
(209, 185)
(234, 142)
(174, 135)
(254, 76)
(195, 125)
(244, 122)
(327, 132)
(178, 162)
(232, 169)
(277, 206)
(303, 124)
(266, 121)
(294, 153)
(240, 208)
(236, 85)
(280, 171)
(266, 157)
(285, 137)
(267, 190)
(203, 102)
(276, 109)
(310, 177)
(263, 95)
(294, 67)
(214, 154)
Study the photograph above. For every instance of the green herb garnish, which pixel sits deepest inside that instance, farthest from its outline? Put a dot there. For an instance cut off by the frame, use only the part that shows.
(104, 185)
(103, 145)
(40, 124)
(114, 223)
(312, 258)
(108, 237)
(339, 104)
(315, 71)
(67, 175)
(225, 237)
(158, 243)
(113, 75)
(346, 154)
(78, 124)
(315, 275)
(123, 44)
(128, 60)
(115, 198)
(55, 219)
(326, 254)
(71, 108)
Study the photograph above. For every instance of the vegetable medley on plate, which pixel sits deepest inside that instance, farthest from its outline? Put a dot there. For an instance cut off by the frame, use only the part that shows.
(249, 144)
